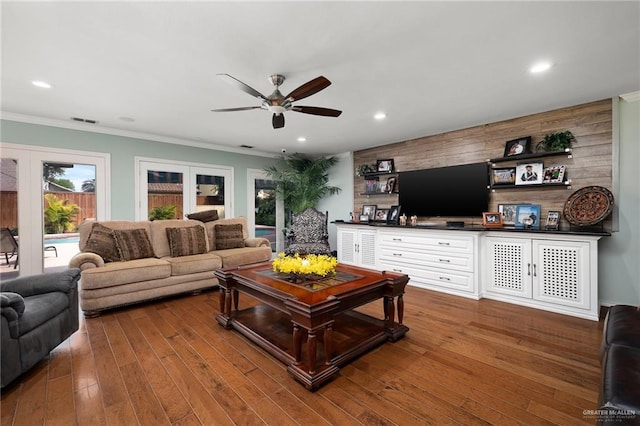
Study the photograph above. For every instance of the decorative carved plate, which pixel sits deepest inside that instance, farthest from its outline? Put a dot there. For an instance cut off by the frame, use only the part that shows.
(588, 206)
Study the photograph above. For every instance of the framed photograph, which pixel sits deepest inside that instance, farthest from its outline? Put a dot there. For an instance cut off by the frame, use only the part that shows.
(529, 173)
(394, 215)
(364, 218)
(391, 184)
(384, 165)
(553, 174)
(503, 176)
(553, 220)
(517, 147)
(508, 213)
(369, 211)
(382, 215)
(492, 219)
(528, 216)
(370, 186)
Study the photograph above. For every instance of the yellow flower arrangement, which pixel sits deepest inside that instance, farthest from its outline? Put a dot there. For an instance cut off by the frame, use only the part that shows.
(312, 264)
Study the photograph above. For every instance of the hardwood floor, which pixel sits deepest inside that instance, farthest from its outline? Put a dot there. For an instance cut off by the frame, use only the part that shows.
(462, 362)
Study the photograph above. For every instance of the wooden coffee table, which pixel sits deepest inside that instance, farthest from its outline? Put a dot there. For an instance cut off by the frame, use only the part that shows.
(311, 326)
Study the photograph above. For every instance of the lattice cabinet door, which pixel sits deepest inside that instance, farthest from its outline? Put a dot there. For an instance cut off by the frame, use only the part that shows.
(346, 239)
(367, 249)
(510, 266)
(562, 273)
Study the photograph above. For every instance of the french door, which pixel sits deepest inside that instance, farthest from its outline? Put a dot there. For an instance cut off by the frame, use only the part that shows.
(48, 191)
(265, 211)
(172, 190)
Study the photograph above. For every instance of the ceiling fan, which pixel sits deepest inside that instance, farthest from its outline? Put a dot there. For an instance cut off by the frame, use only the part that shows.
(277, 103)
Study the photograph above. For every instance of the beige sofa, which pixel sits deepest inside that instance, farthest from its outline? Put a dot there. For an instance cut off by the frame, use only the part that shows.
(108, 284)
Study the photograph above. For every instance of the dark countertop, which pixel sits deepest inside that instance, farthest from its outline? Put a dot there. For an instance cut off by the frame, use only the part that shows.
(479, 228)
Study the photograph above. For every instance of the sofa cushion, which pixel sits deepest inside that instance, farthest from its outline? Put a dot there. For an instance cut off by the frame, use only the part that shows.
(620, 379)
(40, 309)
(244, 256)
(228, 236)
(118, 273)
(205, 216)
(621, 326)
(186, 241)
(159, 238)
(185, 265)
(87, 225)
(133, 244)
(101, 241)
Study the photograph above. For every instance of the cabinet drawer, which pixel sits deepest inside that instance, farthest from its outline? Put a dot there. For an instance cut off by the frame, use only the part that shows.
(421, 259)
(433, 276)
(439, 242)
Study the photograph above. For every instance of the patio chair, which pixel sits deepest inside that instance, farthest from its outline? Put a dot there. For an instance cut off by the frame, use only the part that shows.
(8, 245)
(308, 233)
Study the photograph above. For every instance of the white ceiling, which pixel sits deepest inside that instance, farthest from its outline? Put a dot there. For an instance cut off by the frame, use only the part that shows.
(431, 66)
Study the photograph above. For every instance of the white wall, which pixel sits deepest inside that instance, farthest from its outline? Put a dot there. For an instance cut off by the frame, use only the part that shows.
(339, 206)
(619, 262)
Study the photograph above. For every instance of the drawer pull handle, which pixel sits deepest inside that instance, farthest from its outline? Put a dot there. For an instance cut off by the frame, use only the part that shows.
(445, 260)
(397, 239)
(440, 243)
(528, 269)
(397, 270)
(397, 254)
(445, 279)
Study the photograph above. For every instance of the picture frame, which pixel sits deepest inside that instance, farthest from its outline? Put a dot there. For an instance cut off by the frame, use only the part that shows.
(369, 210)
(364, 218)
(529, 173)
(391, 184)
(370, 186)
(503, 176)
(553, 220)
(517, 147)
(554, 174)
(382, 187)
(385, 165)
(382, 215)
(394, 215)
(492, 220)
(508, 213)
(528, 216)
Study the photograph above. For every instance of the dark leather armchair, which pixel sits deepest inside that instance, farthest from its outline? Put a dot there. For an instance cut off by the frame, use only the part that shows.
(38, 313)
(308, 233)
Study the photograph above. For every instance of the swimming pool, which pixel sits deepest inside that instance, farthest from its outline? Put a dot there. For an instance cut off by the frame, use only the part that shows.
(64, 240)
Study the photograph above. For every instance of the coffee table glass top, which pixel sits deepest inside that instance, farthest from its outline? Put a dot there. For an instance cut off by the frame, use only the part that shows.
(312, 284)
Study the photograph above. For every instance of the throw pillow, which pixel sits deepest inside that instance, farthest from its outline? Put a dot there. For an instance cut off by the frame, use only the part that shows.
(133, 244)
(186, 241)
(229, 236)
(102, 242)
(205, 216)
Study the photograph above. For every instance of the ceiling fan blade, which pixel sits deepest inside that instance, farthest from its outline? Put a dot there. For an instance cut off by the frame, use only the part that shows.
(240, 85)
(236, 109)
(308, 89)
(278, 121)
(327, 112)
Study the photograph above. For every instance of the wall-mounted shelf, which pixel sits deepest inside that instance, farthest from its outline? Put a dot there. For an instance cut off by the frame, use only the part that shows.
(567, 152)
(379, 193)
(566, 184)
(377, 174)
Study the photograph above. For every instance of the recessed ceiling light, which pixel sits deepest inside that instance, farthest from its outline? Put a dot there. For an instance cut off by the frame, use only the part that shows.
(41, 84)
(302, 139)
(380, 116)
(540, 67)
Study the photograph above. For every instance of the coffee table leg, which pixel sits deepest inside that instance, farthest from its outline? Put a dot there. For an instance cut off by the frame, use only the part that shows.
(236, 299)
(297, 344)
(389, 311)
(400, 309)
(222, 293)
(311, 349)
(328, 343)
(227, 304)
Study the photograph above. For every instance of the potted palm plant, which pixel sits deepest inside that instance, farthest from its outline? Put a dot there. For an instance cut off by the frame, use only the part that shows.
(302, 181)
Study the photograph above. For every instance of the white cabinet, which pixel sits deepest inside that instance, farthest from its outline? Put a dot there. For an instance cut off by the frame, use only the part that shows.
(357, 246)
(555, 273)
(444, 261)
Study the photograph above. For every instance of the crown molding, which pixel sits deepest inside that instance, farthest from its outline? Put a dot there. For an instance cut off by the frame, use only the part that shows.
(631, 97)
(97, 128)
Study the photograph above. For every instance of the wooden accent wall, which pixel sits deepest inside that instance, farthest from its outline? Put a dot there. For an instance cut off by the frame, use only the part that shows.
(591, 164)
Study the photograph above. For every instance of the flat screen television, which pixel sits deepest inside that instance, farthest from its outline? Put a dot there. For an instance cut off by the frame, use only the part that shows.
(455, 191)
